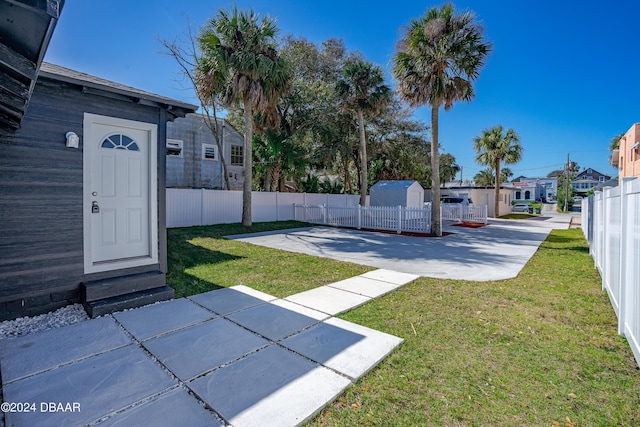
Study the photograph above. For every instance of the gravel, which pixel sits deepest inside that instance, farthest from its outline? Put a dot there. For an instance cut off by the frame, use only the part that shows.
(28, 325)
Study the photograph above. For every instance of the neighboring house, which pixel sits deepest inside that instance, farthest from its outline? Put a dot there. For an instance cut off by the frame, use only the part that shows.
(532, 189)
(627, 157)
(586, 180)
(193, 160)
(83, 197)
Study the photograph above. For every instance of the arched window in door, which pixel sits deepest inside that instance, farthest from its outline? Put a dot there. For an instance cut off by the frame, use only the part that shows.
(527, 195)
(120, 142)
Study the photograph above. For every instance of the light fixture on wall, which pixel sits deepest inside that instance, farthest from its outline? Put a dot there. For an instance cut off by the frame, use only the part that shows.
(72, 140)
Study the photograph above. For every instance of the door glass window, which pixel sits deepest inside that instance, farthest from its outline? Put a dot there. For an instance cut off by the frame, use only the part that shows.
(120, 142)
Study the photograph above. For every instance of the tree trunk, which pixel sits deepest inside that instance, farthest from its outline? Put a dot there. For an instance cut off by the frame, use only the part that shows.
(220, 143)
(496, 205)
(248, 165)
(364, 184)
(436, 219)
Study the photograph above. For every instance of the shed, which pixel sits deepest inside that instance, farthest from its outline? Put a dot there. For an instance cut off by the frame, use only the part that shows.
(409, 194)
(83, 197)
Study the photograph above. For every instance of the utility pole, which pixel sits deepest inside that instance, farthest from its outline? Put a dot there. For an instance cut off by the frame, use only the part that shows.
(566, 184)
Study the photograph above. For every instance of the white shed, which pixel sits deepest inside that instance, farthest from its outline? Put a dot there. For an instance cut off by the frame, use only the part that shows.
(409, 194)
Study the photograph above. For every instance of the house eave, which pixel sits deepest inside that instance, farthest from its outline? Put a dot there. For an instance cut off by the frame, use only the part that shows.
(25, 32)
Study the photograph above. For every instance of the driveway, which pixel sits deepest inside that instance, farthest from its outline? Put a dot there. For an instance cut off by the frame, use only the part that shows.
(495, 252)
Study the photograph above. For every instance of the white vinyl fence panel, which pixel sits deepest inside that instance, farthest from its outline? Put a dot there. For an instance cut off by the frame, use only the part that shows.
(464, 213)
(187, 207)
(611, 224)
(396, 218)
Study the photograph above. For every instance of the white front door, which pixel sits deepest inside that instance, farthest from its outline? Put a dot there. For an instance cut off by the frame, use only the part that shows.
(120, 193)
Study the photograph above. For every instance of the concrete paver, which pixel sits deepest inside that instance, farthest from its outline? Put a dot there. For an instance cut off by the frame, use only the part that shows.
(271, 387)
(343, 346)
(192, 351)
(227, 300)
(155, 319)
(390, 276)
(368, 287)
(100, 385)
(328, 300)
(49, 349)
(272, 321)
(174, 404)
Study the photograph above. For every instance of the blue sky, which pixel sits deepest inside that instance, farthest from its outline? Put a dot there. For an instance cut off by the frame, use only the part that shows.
(565, 75)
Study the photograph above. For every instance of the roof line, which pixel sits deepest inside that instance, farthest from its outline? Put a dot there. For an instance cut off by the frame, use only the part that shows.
(68, 75)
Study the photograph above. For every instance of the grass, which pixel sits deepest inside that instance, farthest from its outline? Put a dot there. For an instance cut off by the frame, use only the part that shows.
(519, 216)
(200, 259)
(537, 350)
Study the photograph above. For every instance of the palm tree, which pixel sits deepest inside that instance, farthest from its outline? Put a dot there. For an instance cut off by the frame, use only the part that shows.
(448, 168)
(614, 144)
(506, 174)
(484, 178)
(494, 147)
(438, 58)
(363, 91)
(240, 63)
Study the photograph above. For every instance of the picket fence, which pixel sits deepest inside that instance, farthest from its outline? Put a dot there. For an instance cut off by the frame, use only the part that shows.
(395, 218)
(464, 213)
(611, 225)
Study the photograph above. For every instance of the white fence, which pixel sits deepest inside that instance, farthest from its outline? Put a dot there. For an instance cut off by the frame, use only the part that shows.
(611, 224)
(464, 213)
(186, 207)
(396, 219)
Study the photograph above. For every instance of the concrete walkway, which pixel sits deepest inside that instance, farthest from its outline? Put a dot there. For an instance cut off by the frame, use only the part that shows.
(230, 356)
(495, 252)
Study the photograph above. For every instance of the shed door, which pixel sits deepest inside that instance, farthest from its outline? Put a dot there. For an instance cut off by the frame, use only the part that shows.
(120, 193)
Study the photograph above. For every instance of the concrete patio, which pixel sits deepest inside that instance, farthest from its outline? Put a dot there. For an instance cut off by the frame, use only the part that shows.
(230, 356)
(494, 252)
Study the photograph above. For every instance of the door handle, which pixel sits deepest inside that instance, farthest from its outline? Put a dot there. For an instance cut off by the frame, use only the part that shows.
(94, 207)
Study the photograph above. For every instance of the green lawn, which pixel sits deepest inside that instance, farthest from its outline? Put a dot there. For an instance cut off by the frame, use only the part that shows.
(200, 260)
(537, 350)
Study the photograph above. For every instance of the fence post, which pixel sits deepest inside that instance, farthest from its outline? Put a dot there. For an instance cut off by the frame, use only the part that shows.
(605, 243)
(625, 262)
(201, 206)
(399, 221)
(324, 213)
(359, 217)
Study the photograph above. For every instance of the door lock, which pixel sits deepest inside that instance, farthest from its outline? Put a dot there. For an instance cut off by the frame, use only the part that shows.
(94, 207)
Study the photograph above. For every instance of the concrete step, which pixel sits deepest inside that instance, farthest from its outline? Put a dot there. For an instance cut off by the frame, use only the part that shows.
(106, 288)
(130, 300)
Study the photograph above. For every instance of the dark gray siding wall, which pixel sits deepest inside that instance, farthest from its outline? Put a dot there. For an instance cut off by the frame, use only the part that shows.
(41, 206)
(192, 170)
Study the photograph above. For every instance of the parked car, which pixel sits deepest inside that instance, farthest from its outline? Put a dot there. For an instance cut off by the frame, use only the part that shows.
(463, 200)
(577, 199)
(520, 207)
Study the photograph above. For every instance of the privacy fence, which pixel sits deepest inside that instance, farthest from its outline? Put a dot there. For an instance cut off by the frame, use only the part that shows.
(611, 224)
(186, 207)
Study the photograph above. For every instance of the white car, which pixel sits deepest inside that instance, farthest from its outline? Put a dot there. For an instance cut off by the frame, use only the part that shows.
(520, 207)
